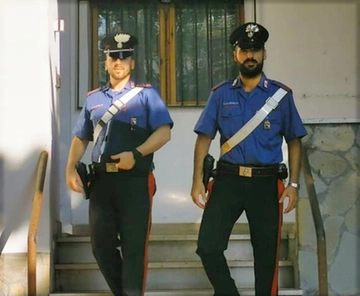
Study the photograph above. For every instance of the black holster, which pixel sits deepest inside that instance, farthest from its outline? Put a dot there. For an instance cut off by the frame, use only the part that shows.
(86, 178)
(282, 171)
(208, 170)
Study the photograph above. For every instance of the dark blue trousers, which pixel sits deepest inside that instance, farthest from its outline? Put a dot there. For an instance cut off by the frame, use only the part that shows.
(231, 196)
(120, 216)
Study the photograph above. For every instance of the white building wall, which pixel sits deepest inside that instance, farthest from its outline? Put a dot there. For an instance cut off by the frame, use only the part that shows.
(26, 101)
(314, 48)
(68, 48)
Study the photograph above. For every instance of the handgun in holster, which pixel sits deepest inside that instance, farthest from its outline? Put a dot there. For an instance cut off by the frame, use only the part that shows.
(85, 177)
(282, 171)
(208, 169)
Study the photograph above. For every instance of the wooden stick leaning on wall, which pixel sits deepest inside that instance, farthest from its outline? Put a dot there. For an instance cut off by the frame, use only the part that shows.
(34, 222)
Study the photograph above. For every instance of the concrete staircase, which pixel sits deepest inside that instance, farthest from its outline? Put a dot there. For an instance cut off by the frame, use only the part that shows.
(174, 268)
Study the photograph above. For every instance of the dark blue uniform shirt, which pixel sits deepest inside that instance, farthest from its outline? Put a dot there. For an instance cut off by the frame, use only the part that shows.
(229, 108)
(129, 128)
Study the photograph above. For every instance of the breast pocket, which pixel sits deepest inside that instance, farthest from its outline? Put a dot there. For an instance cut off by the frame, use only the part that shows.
(136, 121)
(96, 114)
(231, 120)
(271, 124)
(268, 133)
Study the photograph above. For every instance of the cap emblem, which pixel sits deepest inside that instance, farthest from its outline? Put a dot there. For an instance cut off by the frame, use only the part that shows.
(121, 39)
(251, 29)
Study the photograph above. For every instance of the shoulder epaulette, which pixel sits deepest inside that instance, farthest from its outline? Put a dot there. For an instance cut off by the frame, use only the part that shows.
(283, 86)
(93, 91)
(220, 84)
(144, 85)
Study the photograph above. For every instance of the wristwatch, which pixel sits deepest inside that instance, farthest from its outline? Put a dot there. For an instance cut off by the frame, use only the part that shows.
(136, 154)
(295, 185)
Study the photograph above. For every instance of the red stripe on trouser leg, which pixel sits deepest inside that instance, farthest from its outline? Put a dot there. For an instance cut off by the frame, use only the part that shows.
(209, 187)
(152, 190)
(274, 287)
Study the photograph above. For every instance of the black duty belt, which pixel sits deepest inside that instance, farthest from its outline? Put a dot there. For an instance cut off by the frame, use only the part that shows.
(107, 167)
(110, 167)
(247, 171)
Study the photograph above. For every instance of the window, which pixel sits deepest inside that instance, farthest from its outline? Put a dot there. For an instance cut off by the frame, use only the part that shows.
(183, 46)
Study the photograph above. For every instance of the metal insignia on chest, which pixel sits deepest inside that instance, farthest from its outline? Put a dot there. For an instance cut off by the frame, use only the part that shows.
(267, 124)
(133, 123)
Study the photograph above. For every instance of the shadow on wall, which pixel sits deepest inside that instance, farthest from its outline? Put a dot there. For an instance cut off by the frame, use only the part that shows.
(17, 185)
(55, 151)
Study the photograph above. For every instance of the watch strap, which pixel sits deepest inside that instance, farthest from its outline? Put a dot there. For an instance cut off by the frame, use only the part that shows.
(295, 185)
(137, 154)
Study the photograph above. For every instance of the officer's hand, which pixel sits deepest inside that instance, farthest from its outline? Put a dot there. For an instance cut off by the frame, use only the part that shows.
(292, 194)
(197, 190)
(73, 181)
(126, 160)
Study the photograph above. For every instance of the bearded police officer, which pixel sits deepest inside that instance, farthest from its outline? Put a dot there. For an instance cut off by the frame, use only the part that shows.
(248, 177)
(126, 133)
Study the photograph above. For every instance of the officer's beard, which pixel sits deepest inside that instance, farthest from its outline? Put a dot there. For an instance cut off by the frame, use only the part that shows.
(251, 72)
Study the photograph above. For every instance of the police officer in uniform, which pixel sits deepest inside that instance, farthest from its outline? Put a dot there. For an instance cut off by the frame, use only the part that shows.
(123, 186)
(247, 176)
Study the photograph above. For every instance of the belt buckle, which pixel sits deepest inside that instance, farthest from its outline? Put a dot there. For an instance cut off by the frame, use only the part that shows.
(245, 171)
(111, 167)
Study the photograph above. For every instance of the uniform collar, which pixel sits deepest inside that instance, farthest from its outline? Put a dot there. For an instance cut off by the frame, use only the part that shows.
(236, 82)
(129, 85)
(105, 86)
(263, 84)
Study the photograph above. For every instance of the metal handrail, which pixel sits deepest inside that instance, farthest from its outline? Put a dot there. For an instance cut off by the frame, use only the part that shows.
(34, 222)
(318, 223)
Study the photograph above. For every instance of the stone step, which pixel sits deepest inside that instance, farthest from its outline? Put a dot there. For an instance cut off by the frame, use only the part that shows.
(165, 276)
(204, 292)
(78, 250)
(173, 263)
(190, 230)
(172, 243)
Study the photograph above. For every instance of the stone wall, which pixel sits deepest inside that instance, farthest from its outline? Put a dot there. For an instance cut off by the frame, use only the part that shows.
(335, 163)
(13, 274)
